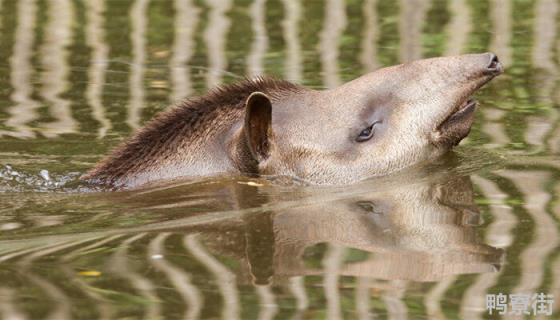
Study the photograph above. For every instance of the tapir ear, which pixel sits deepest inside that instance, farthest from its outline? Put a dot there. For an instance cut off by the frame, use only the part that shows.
(258, 119)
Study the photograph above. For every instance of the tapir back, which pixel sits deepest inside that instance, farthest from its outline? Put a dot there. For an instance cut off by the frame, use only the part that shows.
(191, 139)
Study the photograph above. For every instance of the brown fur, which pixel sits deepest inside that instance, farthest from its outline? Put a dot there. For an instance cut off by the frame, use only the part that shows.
(189, 123)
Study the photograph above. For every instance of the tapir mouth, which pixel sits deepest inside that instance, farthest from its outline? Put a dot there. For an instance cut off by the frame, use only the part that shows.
(461, 111)
(458, 123)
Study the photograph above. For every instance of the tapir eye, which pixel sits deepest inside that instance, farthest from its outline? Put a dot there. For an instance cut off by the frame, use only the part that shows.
(367, 133)
(369, 207)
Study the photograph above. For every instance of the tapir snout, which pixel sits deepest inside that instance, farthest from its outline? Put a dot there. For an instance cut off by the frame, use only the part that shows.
(493, 66)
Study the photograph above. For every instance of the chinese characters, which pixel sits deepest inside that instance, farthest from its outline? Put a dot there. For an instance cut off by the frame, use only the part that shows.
(520, 304)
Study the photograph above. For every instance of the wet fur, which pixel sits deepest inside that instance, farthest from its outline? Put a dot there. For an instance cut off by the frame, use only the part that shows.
(185, 126)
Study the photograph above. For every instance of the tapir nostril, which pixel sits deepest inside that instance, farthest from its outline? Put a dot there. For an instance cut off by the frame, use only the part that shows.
(494, 66)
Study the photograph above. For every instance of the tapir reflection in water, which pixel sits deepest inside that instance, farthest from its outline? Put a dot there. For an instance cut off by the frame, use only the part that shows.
(424, 230)
(374, 125)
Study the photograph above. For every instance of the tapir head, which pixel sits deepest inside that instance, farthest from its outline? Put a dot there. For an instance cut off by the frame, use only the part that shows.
(374, 125)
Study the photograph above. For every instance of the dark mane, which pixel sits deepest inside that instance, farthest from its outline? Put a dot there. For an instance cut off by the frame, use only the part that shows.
(185, 123)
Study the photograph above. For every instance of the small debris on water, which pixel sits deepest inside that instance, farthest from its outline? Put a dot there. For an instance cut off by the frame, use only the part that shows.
(251, 183)
(90, 273)
(157, 256)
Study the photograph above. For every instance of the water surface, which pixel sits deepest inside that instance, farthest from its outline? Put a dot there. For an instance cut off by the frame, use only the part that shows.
(76, 77)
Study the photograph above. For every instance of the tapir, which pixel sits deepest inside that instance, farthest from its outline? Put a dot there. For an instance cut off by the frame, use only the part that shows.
(374, 125)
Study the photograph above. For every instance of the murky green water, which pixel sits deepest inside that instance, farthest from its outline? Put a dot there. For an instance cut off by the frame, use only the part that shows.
(76, 77)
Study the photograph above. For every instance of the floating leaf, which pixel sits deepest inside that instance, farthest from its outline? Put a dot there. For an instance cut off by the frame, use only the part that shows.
(90, 273)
